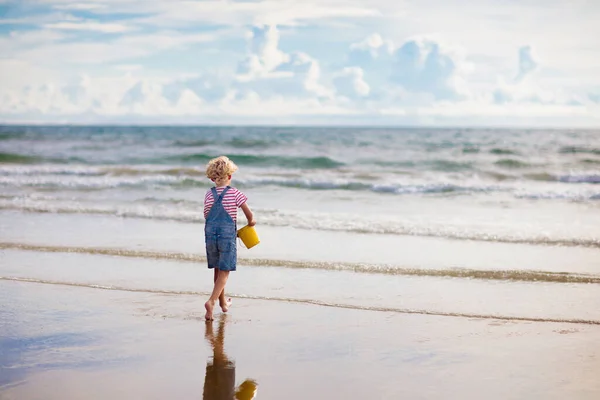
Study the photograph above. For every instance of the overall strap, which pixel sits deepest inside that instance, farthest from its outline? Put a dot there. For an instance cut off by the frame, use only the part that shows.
(219, 199)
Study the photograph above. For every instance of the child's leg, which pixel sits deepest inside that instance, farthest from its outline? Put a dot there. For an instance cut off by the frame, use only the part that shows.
(222, 295)
(219, 287)
(223, 302)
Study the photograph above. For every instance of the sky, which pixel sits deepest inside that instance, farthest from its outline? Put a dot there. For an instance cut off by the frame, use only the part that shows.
(352, 62)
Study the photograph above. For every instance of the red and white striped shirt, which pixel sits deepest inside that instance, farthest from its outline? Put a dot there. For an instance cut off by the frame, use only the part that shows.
(232, 200)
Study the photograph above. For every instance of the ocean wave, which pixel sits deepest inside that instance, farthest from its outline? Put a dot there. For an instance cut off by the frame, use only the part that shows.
(502, 151)
(261, 160)
(511, 163)
(471, 150)
(52, 169)
(93, 182)
(236, 143)
(541, 176)
(99, 170)
(308, 221)
(153, 170)
(579, 150)
(590, 161)
(18, 158)
(310, 184)
(15, 158)
(279, 161)
(245, 143)
(92, 178)
(386, 269)
(10, 135)
(558, 195)
(498, 176)
(148, 177)
(569, 178)
(433, 165)
(191, 143)
(579, 178)
(448, 165)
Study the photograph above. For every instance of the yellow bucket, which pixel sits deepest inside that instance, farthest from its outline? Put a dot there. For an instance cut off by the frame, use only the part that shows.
(248, 236)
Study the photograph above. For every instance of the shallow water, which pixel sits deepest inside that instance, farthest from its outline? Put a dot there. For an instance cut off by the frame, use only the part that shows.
(465, 222)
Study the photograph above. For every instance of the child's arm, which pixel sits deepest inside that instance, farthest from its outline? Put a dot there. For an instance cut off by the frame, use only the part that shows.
(248, 214)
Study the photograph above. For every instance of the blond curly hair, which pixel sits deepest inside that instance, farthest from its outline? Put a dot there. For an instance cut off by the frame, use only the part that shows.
(219, 169)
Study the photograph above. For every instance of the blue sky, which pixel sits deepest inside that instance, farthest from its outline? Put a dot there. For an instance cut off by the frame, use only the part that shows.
(427, 62)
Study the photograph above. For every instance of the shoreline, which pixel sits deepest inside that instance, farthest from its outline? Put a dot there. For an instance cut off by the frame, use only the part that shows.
(384, 269)
(291, 244)
(313, 302)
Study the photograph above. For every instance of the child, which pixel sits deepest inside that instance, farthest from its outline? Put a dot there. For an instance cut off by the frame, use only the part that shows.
(220, 212)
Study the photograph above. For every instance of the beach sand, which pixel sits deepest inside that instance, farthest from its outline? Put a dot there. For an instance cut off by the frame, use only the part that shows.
(66, 342)
(97, 308)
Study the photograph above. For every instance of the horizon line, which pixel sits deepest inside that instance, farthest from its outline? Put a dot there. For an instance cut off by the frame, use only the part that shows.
(289, 125)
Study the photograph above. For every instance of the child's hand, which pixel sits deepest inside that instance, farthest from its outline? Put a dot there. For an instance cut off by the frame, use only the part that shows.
(248, 214)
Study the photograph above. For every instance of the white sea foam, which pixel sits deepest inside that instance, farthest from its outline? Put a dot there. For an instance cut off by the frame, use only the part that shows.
(192, 213)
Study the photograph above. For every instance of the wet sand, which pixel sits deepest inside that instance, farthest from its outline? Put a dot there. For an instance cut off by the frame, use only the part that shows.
(61, 342)
(532, 301)
(127, 323)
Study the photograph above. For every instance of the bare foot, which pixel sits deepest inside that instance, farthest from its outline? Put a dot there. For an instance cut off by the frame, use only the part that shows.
(225, 306)
(209, 310)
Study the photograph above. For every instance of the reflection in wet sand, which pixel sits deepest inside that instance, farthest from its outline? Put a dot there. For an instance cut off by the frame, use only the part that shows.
(219, 383)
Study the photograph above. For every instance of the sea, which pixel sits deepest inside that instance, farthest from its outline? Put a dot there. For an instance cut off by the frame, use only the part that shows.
(477, 222)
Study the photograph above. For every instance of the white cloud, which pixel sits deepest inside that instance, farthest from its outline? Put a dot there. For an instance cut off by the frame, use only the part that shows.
(307, 70)
(17, 40)
(143, 98)
(526, 88)
(189, 103)
(46, 47)
(80, 6)
(129, 67)
(288, 12)
(78, 92)
(276, 108)
(298, 78)
(268, 71)
(350, 83)
(301, 57)
(39, 19)
(369, 49)
(477, 109)
(424, 67)
(15, 74)
(43, 99)
(264, 55)
(523, 93)
(89, 26)
(371, 42)
(427, 66)
(527, 62)
(209, 87)
(242, 13)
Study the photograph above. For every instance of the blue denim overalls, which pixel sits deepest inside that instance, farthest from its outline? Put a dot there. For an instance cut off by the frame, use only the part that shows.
(220, 233)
